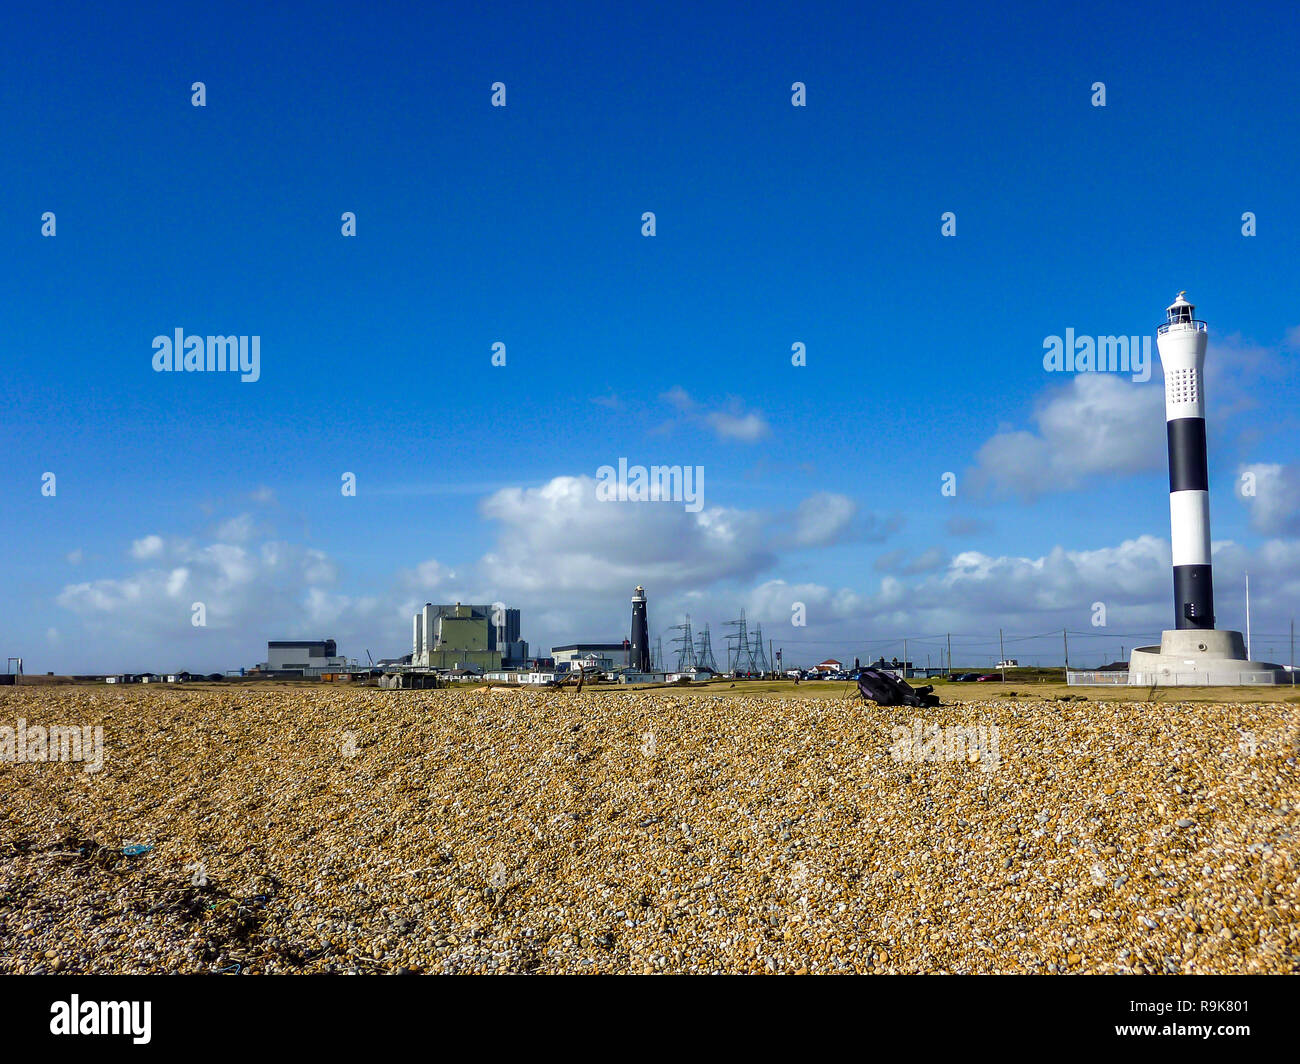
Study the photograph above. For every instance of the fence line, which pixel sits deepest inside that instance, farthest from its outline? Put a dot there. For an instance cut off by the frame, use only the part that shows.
(1217, 678)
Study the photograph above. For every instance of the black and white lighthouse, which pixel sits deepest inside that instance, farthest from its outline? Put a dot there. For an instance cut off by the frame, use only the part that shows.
(1193, 652)
(639, 657)
(1182, 341)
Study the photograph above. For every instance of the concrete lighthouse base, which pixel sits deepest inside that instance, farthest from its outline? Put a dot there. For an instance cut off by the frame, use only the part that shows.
(1200, 657)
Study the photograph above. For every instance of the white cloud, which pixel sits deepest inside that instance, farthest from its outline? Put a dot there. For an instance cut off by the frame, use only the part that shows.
(748, 428)
(426, 576)
(561, 537)
(731, 422)
(148, 547)
(1099, 424)
(243, 590)
(680, 398)
(1275, 505)
(774, 601)
(974, 590)
(75, 557)
(823, 518)
(236, 530)
(1106, 425)
(325, 610)
(176, 581)
(889, 561)
(927, 561)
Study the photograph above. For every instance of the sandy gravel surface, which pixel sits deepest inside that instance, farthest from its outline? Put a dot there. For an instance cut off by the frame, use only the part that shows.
(337, 829)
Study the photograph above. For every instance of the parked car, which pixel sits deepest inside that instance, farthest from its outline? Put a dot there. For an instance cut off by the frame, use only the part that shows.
(967, 677)
(990, 676)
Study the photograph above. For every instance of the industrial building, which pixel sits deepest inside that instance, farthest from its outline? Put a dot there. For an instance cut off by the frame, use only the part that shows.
(608, 656)
(479, 637)
(302, 657)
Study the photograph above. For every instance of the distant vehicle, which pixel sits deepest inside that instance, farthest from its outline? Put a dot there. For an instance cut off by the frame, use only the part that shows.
(793, 674)
(967, 677)
(988, 677)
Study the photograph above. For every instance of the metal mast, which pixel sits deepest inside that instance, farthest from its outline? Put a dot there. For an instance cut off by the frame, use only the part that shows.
(704, 651)
(757, 655)
(686, 645)
(742, 660)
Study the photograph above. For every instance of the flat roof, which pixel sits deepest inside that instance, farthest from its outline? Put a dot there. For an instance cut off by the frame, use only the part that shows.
(588, 646)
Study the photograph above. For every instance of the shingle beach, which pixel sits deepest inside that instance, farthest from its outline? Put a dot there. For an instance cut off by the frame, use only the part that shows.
(333, 829)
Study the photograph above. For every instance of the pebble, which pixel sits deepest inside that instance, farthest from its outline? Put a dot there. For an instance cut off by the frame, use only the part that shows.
(527, 831)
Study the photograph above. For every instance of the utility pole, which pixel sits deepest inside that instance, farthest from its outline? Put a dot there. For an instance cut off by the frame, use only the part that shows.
(1248, 616)
(1002, 656)
(950, 655)
(1065, 637)
(770, 658)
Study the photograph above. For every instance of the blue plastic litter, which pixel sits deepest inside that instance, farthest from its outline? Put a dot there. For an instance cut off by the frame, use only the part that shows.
(136, 849)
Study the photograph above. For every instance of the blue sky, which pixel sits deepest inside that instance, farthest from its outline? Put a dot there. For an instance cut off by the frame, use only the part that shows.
(775, 224)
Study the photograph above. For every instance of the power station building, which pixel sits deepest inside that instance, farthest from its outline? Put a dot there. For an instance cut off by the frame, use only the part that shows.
(608, 656)
(482, 637)
(303, 656)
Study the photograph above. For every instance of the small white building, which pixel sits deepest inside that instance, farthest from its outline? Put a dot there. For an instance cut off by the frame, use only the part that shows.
(695, 674)
(632, 676)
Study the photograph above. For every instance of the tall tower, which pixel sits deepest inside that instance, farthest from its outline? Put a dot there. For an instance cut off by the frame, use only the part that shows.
(1194, 652)
(1182, 341)
(704, 651)
(686, 654)
(639, 658)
